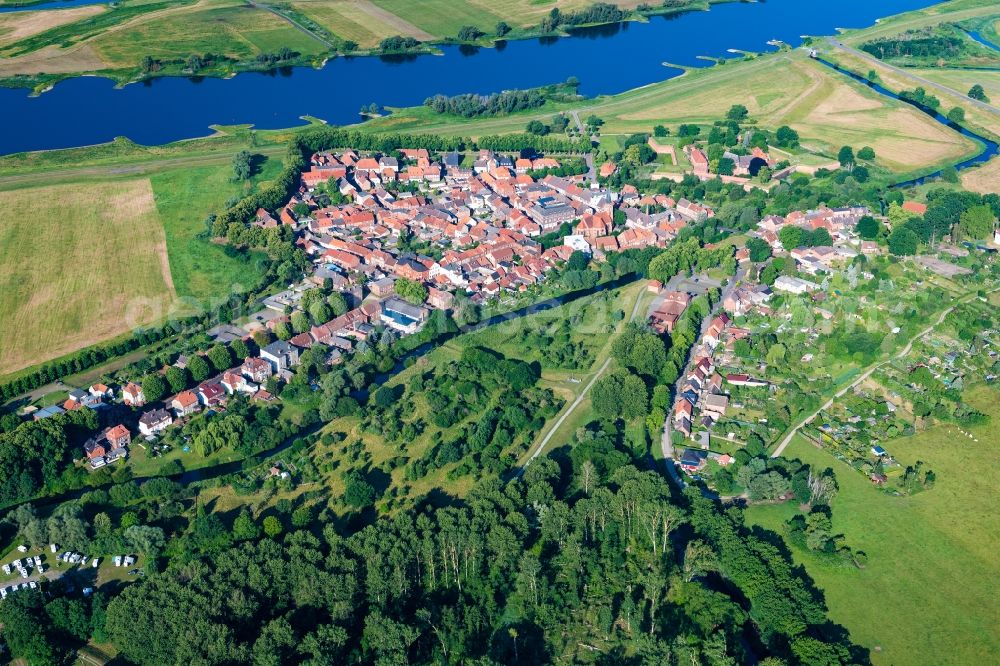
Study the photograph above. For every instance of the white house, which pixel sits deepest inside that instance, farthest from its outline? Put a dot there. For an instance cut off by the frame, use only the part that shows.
(794, 285)
(154, 421)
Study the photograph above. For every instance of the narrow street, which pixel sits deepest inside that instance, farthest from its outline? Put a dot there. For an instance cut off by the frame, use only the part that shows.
(666, 445)
(591, 170)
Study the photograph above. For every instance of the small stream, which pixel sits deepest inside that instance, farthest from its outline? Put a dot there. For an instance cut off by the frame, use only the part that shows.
(989, 147)
(979, 39)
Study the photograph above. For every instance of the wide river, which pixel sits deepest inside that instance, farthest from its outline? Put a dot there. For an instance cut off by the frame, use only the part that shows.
(608, 59)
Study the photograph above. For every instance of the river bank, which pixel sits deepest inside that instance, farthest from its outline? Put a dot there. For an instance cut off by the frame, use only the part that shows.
(168, 109)
(223, 66)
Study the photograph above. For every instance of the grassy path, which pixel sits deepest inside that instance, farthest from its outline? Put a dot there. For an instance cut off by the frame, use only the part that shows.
(606, 351)
(867, 373)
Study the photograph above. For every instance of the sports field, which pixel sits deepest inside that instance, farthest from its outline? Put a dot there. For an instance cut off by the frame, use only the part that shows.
(930, 593)
(81, 263)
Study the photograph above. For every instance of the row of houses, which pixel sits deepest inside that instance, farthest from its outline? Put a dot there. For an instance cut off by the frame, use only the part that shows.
(111, 444)
(702, 398)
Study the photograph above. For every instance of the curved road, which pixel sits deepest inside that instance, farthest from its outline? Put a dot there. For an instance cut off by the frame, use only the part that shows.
(867, 373)
(910, 75)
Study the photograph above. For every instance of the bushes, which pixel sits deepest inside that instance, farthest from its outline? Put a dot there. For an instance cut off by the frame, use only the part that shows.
(497, 104)
(398, 44)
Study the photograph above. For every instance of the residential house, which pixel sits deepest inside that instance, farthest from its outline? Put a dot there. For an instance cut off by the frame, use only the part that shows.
(714, 404)
(185, 403)
(233, 381)
(95, 448)
(794, 285)
(118, 436)
(154, 421)
(693, 460)
(132, 395)
(403, 316)
(280, 355)
(211, 394)
(744, 380)
(256, 369)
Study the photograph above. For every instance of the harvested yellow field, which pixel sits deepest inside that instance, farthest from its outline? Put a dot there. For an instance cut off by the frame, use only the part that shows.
(826, 108)
(360, 21)
(81, 263)
(19, 25)
(984, 179)
(53, 60)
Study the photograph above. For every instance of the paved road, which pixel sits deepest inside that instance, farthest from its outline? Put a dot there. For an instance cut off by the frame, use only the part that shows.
(867, 373)
(576, 403)
(295, 24)
(910, 75)
(666, 445)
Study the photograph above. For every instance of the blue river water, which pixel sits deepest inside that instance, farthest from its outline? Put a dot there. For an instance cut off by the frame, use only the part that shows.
(606, 59)
(988, 148)
(976, 37)
(55, 4)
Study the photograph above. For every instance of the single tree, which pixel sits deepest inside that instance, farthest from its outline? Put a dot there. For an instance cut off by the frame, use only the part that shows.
(272, 526)
(242, 165)
(846, 156)
(178, 378)
(221, 357)
(977, 92)
(199, 368)
(153, 387)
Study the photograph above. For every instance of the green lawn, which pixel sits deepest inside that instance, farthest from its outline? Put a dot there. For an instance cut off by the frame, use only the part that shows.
(929, 594)
(144, 464)
(443, 18)
(590, 322)
(184, 197)
(828, 110)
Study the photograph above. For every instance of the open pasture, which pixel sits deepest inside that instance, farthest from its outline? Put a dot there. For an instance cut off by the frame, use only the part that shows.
(82, 263)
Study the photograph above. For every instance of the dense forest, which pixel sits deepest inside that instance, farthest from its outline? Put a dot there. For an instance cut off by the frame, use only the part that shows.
(586, 558)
